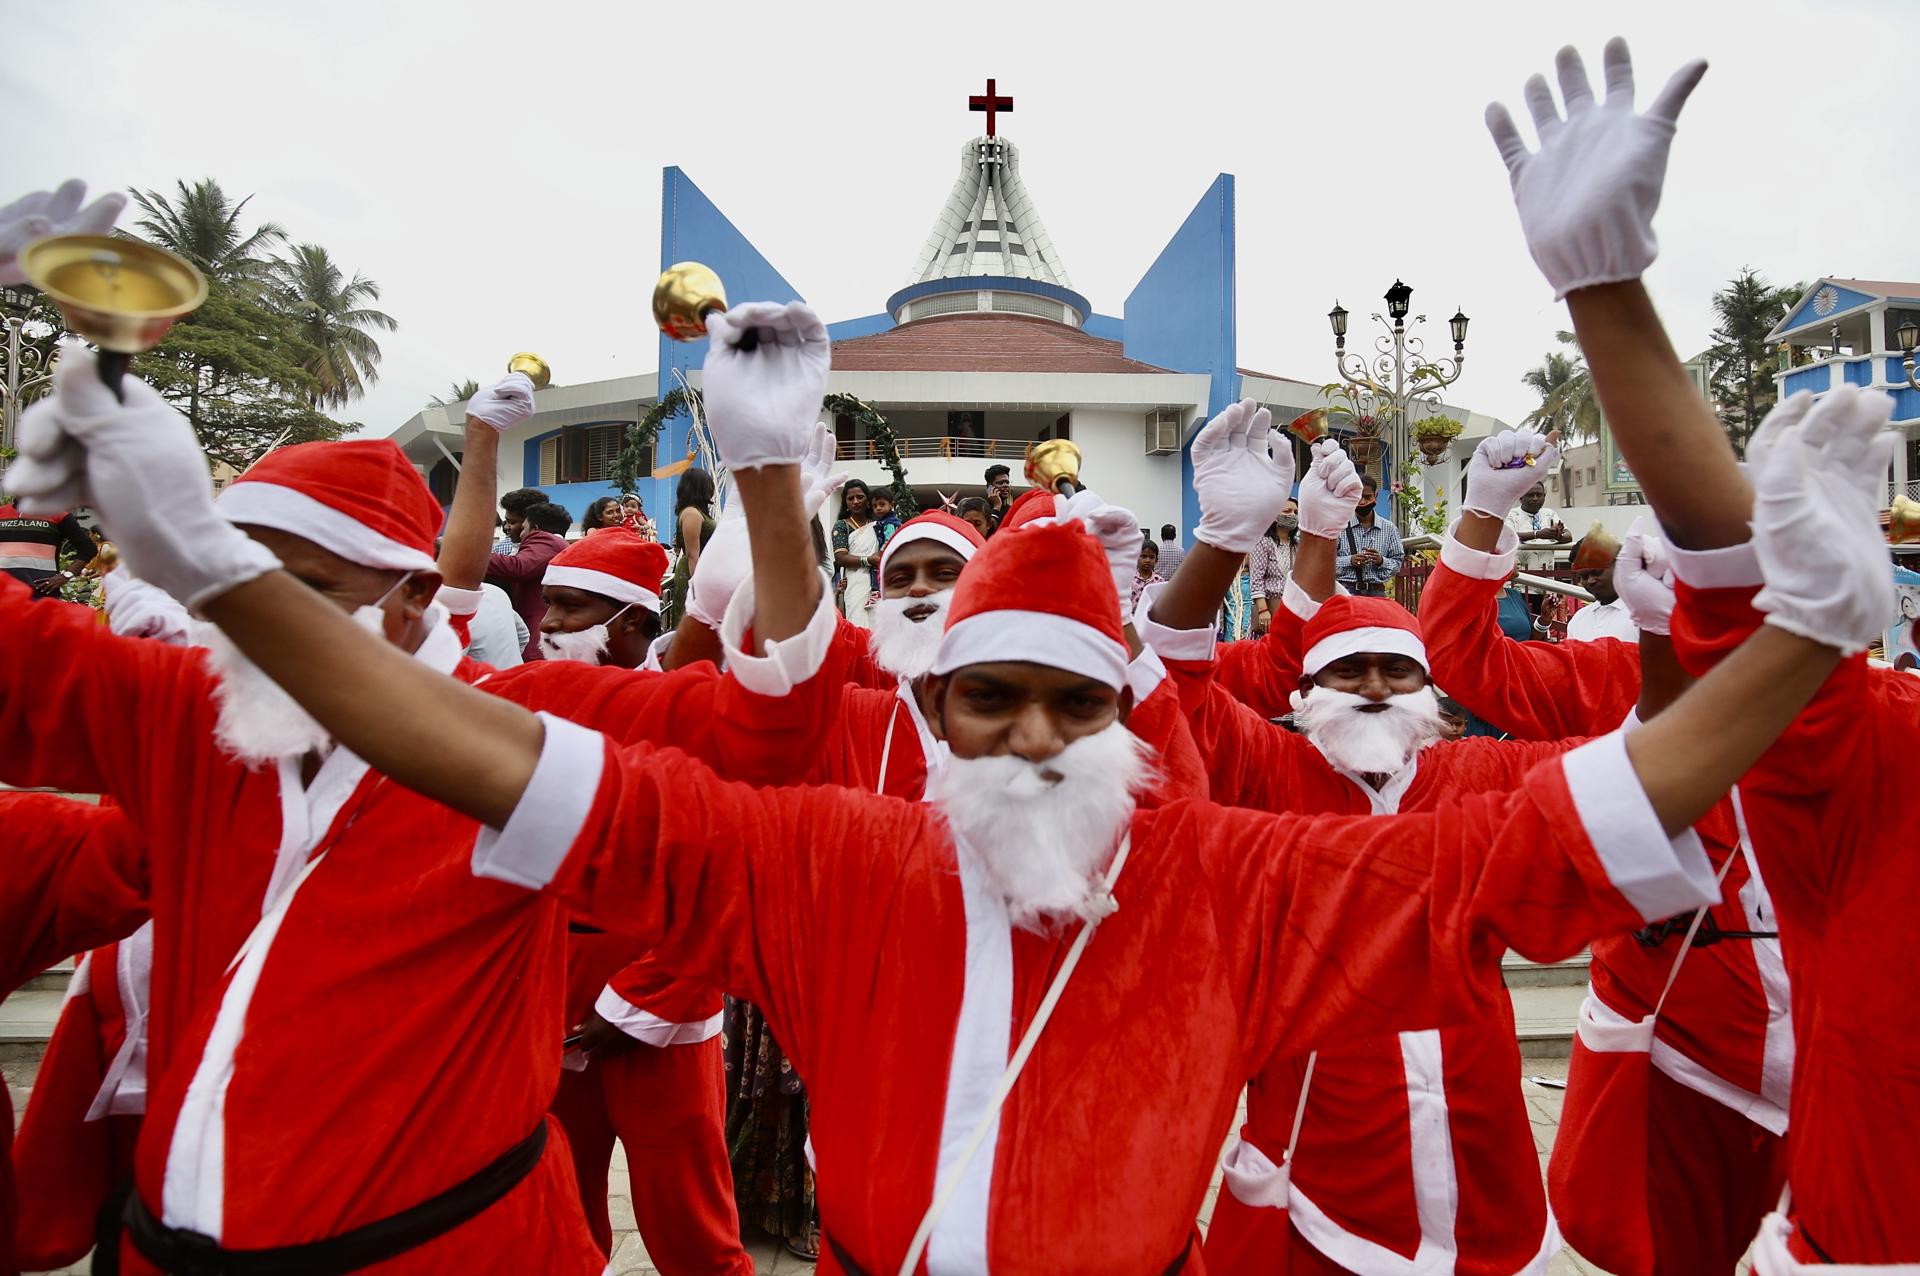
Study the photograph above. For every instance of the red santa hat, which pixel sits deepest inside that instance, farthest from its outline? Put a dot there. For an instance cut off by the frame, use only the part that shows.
(1042, 595)
(957, 534)
(614, 562)
(1347, 625)
(1035, 502)
(361, 499)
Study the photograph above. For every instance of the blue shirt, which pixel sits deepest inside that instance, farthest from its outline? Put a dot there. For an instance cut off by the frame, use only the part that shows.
(1369, 578)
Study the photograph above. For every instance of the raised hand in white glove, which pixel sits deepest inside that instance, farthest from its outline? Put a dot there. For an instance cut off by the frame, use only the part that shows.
(54, 212)
(1242, 475)
(1588, 195)
(761, 404)
(1329, 491)
(505, 403)
(817, 479)
(1816, 527)
(727, 560)
(1497, 472)
(1118, 532)
(136, 609)
(1643, 577)
(144, 473)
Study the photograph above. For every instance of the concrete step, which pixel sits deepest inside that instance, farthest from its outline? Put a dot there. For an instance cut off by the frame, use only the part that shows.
(54, 979)
(1521, 973)
(1544, 1019)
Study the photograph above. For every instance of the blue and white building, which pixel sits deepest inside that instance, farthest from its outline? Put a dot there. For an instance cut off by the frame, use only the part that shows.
(1842, 332)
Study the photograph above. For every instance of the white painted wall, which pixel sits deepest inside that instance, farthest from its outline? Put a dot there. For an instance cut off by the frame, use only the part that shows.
(1115, 464)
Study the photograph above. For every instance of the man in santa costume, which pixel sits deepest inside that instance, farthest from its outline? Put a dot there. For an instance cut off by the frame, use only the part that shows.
(1824, 810)
(934, 930)
(1722, 1057)
(300, 901)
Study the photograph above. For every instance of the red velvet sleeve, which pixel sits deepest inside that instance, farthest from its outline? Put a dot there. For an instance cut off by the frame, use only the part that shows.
(1263, 673)
(1530, 690)
(856, 646)
(75, 878)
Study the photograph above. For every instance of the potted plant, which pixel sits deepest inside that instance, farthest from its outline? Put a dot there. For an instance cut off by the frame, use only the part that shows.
(1435, 434)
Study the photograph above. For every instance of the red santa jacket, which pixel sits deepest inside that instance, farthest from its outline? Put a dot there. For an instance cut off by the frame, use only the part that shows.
(75, 878)
(889, 971)
(1726, 1029)
(1828, 810)
(265, 1070)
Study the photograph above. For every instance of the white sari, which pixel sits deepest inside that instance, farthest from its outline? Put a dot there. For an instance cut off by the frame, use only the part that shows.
(862, 542)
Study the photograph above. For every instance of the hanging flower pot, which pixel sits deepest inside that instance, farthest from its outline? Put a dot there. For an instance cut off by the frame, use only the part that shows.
(1433, 447)
(1365, 449)
(1434, 435)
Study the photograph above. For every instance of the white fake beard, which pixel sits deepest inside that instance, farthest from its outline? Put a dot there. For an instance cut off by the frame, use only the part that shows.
(1378, 742)
(906, 648)
(587, 646)
(259, 722)
(1041, 839)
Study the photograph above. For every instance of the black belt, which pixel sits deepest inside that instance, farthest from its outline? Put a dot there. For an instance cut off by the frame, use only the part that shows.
(854, 1269)
(185, 1253)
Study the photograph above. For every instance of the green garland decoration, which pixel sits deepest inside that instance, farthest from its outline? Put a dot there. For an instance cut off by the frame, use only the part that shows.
(879, 431)
(641, 437)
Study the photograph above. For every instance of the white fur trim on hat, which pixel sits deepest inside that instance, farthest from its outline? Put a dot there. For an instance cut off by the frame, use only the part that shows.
(1371, 639)
(1032, 637)
(286, 509)
(605, 584)
(936, 532)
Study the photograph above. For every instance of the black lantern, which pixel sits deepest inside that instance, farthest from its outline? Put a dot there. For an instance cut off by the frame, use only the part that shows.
(1459, 325)
(1908, 335)
(1338, 318)
(1399, 297)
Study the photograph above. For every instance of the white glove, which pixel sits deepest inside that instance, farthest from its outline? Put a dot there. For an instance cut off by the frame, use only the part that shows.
(55, 212)
(727, 561)
(762, 404)
(1118, 532)
(1242, 474)
(1816, 527)
(136, 609)
(1588, 195)
(1497, 472)
(142, 471)
(1643, 577)
(1329, 491)
(505, 403)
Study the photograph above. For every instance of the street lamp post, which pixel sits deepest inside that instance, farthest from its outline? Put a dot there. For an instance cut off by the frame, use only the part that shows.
(1908, 336)
(1399, 376)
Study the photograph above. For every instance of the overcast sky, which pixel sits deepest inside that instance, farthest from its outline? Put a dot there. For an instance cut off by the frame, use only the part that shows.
(496, 168)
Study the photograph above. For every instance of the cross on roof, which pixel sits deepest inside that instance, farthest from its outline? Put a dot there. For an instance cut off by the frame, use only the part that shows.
(989, 104)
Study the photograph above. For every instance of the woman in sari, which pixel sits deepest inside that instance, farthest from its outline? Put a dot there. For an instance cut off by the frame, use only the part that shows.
(856, 551)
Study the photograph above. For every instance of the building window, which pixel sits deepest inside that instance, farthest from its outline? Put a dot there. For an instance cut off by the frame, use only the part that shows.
(584, 453)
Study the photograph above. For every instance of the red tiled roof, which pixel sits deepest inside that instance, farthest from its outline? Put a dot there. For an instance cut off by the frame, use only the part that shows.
(983, 343)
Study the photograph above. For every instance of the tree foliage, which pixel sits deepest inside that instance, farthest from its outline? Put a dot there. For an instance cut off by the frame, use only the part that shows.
(1743, 362)
(1565, 387)
(330, 313)
(458, 392)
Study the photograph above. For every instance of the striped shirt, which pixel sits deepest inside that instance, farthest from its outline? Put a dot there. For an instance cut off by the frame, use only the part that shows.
(30, 545)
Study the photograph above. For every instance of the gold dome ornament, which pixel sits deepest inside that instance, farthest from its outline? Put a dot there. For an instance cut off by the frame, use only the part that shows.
(687, 292)
(533, 367)
(1903, 521)
(120, 294)
(1055, 465)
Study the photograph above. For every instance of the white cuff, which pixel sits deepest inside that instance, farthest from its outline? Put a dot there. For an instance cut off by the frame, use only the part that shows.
(1658, 875)
(1731, 567)
(1252, 1176)
(1300, 602)
(789, 662)
(649, 1028)
(1478, 564)
(459, 602)
(1145, 673)
(1170, 643)
(550, 813)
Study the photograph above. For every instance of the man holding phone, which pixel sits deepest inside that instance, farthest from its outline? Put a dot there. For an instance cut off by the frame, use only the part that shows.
(1369, 552)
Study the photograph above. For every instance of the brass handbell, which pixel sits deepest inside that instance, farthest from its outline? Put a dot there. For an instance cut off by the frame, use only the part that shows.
(1055, 465)
(1310, 426)
(1597, 548)
(533, 366)
(120, 294)
(683, 298)
(1903, 521)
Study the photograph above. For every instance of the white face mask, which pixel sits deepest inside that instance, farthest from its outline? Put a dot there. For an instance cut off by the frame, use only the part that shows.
(1041, 831)
(584, 646)
(1373, 741)
(905, 647)
(259, 722)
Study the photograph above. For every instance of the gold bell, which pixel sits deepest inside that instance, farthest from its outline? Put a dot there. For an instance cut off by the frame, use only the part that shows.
(1310, 426)
(533, 366)
(1597, 548)
(686, 294)
(120, 294)
(1903, 521)
(1055, 465)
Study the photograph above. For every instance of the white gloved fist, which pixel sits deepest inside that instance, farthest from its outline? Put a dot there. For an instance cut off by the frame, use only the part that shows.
(136, 609)
(1587, 196)
(504, 404)
(1118, 532)
(1329, 491)
(55, 212)
(1643, 577)
(1497, 472)
(1242, 475)
(139, 466)
(762, 404)
(1816, 526)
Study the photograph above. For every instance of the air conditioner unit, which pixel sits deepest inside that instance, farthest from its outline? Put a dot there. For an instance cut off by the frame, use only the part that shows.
(1163, 431)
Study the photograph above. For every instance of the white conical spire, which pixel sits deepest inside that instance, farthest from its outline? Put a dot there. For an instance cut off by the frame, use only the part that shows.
(989, 226)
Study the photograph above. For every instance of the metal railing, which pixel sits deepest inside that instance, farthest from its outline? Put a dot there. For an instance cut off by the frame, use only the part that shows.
(1909, 490)
(1411, 580)
(943, 447)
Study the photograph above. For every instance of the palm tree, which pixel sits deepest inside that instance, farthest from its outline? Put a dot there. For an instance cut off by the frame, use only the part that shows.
(203, 225)
(1745, 311)
(1567, 401)
(330, 312)
(458, 392)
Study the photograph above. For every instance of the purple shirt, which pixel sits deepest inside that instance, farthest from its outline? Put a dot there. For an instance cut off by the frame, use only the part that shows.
(520, 574)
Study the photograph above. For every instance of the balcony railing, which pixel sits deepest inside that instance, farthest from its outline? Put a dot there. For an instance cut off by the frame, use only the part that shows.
(945, 447)
(1909, 490)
